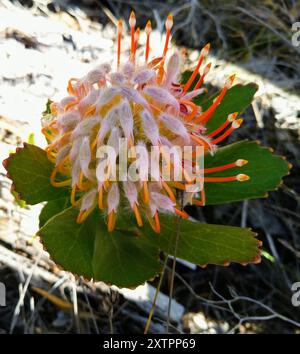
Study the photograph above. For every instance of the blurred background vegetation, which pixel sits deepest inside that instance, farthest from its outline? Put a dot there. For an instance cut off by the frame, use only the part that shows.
(251, 37)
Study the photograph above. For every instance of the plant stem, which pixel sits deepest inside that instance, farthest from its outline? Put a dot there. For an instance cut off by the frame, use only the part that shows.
(155, 296)
(173, 267)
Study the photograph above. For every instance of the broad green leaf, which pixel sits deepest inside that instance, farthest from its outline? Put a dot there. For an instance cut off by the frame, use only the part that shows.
(30, 171)
(237, 99)
(264, 168)
(52, 208)
(204, 244)
(124, 257)
(129, 256)
(71, 245)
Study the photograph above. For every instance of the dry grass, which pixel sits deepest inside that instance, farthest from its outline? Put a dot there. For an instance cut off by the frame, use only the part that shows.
(255, 299)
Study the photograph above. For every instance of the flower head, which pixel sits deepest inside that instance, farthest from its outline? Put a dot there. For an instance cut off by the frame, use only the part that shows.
(138, 106)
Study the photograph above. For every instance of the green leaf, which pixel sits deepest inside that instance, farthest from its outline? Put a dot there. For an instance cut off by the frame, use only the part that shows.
(264, 168)
(70, 244)
(52, 208)
(123, 258)
(129, 256)
(204, 244)
(237, 99)
(30, 171)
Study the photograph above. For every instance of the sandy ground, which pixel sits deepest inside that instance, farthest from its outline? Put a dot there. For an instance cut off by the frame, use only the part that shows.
(39, 52)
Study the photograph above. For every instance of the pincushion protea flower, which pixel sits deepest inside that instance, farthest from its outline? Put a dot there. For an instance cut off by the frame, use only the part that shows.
(144, 102)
